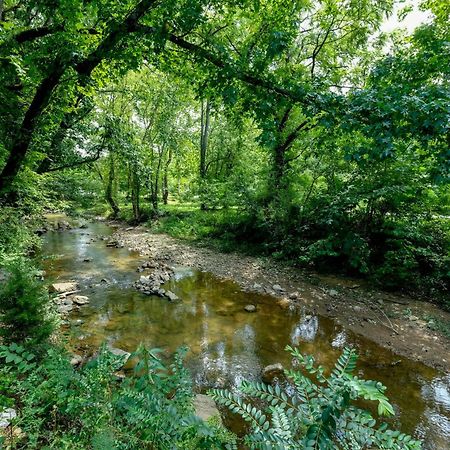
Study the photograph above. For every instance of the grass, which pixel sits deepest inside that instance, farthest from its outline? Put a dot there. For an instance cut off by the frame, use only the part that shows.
(217, 228)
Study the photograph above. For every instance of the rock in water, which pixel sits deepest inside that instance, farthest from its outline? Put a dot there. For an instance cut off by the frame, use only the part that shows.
(61, 288)
(250, 308)
(171, 296)
(80, 299)
(119, 352)
(205, 407)
(272, 372)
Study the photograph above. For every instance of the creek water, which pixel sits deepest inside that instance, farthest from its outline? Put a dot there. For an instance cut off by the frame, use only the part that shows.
(227, 344)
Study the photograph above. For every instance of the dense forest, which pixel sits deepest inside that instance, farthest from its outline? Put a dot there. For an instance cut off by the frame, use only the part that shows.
(295, 130)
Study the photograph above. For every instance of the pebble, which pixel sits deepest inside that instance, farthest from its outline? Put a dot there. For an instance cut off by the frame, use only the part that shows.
(250, 308)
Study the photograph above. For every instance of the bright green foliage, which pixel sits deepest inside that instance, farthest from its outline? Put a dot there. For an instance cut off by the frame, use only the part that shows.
(312, 411)
(18, 356)
(92, 408)
(24, 306)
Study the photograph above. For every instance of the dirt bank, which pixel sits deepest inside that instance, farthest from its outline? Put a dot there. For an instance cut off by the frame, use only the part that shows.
(393, 321)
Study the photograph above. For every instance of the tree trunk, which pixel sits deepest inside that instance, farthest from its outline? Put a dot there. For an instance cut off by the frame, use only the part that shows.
(165, 188)
(110, 188)
(135, 193)
(24, 135)
(204, 136)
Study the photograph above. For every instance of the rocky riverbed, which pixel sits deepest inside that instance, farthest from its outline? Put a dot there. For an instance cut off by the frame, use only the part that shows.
(394, 321)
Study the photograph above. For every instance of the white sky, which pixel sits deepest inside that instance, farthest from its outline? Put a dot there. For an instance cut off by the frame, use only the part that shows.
(411, 21)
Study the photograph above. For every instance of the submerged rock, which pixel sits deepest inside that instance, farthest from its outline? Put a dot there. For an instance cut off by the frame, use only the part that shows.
(250, 308)
(205, 407)
(272, 372)
(284, 303)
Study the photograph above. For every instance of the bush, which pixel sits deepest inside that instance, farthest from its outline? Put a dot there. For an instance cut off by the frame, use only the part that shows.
(25, 314)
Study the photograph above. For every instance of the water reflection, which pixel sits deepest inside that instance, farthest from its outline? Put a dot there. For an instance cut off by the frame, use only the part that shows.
(306, 330)
(226, 343)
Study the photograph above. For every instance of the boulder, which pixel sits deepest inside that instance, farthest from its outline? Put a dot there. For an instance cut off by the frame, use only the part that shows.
(250, 308)
(272, 372)
(80, 299)
(61, 288)
(6, 416)
(205, 407)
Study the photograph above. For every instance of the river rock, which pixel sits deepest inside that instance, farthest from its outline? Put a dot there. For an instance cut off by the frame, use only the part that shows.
(76, 360)
(250, 308)
(284, 303)
(272, 372)
(63, 225)
(61, 288)
(80, 299)
(119, 352)
(277, 288)
(294, 295)
(65, 309)
(6, 416)
(205, 407)
(171, 296)
(333, 293)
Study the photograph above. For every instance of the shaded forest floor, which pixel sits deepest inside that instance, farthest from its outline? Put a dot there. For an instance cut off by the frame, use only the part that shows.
(410, 328)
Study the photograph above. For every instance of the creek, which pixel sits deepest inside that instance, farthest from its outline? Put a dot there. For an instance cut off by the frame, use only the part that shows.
(226, 343)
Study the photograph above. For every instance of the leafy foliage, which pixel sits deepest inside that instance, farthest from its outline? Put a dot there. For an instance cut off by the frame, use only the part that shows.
(93, 408)
(313, 411)
(24, 306)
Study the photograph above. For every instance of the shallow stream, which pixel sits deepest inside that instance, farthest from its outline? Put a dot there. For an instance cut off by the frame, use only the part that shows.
(226, 343)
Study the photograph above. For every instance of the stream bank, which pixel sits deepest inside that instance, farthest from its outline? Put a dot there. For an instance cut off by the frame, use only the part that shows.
(393, 321)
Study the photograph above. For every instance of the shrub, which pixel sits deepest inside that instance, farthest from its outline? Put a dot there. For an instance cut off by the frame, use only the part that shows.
(317, 415)
(24, 306)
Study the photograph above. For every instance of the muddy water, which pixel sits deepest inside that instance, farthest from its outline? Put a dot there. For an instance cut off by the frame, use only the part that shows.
(226, 343)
